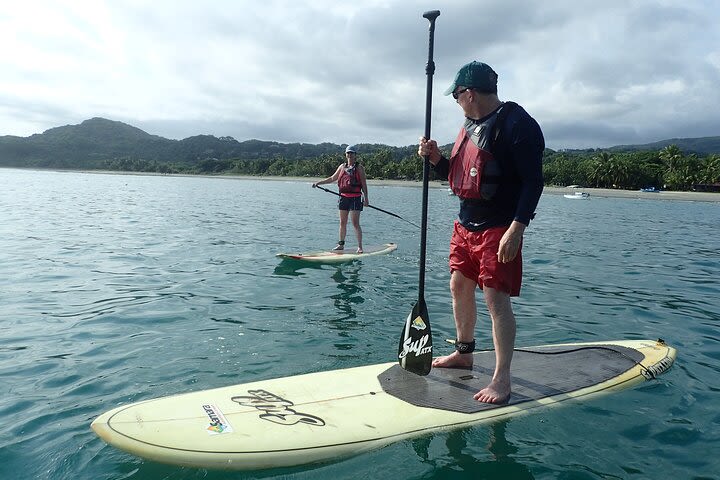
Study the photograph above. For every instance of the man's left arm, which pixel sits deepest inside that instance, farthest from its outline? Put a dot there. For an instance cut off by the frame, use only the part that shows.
(528, 146)
(528, 149)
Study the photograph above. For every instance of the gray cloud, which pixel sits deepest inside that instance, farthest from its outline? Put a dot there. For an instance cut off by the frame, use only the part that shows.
(593, 73)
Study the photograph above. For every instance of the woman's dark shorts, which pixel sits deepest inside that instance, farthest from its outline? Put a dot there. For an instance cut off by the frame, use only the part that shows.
(350, 203)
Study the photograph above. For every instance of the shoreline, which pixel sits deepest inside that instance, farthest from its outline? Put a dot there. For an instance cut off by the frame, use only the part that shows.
(710, 197)
(659, 195)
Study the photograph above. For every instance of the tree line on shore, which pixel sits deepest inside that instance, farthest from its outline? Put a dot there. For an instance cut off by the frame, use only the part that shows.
(668, 168)
(102, 144)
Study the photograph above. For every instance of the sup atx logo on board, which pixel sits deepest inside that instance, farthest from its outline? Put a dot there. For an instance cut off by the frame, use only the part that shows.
(276, 409)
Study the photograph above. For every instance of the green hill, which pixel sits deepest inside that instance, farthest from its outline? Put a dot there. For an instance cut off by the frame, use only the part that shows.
(700, 145)
(96, 142)
(99, 143)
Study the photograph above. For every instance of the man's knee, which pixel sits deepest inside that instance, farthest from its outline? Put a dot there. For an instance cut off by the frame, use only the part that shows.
(461, 285)
(497, 301)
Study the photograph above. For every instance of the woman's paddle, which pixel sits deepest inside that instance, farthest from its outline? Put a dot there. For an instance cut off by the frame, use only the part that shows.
(415, 350)
(376, 208)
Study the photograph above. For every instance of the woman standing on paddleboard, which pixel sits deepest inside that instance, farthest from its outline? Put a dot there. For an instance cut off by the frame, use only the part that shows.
(352, 184)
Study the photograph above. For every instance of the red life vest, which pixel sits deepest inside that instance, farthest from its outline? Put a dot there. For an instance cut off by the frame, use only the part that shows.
(474, 171)
(349, 182)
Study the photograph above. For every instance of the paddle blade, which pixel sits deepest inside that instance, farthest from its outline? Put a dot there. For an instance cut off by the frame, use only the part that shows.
(415, 350)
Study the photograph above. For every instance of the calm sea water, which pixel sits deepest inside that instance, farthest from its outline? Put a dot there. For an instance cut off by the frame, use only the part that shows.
(120, 288)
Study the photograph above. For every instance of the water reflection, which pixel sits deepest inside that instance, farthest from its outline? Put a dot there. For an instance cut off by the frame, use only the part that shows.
(466, 465)
(290, 267)
(347, 277)
(348, 282)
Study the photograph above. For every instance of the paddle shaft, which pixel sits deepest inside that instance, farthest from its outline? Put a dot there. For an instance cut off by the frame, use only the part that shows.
(376, 208)
(429, 72)
(415, 347)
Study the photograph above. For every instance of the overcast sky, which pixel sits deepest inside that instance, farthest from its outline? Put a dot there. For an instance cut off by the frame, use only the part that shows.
(593, 73)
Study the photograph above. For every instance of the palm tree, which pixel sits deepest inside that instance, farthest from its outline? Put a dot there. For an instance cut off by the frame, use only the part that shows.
(710, 170)
(600, 169)
(672, 156)
(618, 171)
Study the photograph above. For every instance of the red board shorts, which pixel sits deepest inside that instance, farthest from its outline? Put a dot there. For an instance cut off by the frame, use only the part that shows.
(474, 254)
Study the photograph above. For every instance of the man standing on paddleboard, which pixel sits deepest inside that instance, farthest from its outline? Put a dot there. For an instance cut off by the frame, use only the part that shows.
(352, 184)
(495, 169)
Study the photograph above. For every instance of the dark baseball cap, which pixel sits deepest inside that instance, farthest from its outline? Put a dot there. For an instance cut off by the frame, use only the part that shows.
(476, 75)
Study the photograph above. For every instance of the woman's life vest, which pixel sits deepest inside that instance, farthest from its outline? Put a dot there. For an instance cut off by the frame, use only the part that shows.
(474, 171)
(349, 182)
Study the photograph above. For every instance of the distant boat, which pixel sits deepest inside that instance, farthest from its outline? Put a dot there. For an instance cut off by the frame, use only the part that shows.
(649, 189)
(577, 195)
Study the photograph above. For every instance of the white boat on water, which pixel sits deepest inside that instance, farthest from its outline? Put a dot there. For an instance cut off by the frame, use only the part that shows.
(577, 195)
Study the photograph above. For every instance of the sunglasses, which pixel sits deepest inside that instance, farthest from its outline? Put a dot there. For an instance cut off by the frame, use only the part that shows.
(459, 92)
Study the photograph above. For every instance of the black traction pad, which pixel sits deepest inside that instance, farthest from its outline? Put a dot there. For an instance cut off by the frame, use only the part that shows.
(536, 373)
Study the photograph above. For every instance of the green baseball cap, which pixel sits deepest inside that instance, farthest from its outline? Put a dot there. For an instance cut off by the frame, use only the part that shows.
(477, 75)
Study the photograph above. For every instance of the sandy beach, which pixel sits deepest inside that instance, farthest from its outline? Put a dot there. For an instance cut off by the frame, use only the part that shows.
(661, 195)
(594, 192)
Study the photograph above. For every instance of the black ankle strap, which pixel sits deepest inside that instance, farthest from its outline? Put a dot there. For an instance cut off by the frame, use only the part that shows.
(463, 347)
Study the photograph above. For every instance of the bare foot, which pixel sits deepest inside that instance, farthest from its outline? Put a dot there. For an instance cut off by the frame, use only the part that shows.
(359, 250)
(454, 360)
(497, 393)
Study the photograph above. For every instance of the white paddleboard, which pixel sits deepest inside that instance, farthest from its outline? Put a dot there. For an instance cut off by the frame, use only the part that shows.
(338, 256)
(329, 415)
